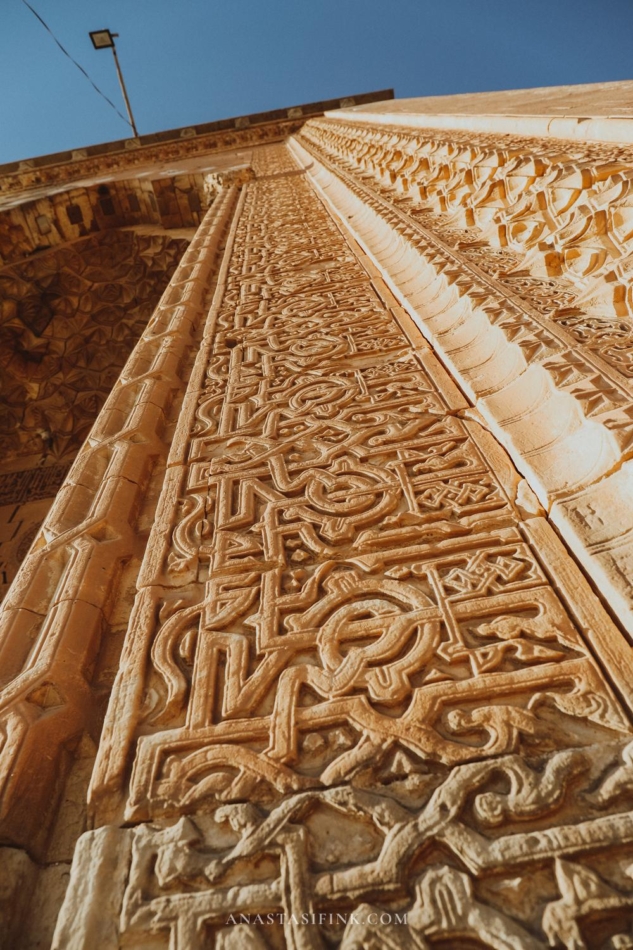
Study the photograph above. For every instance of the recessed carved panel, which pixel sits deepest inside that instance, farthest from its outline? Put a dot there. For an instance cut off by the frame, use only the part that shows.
(346, 611)
(364, 696)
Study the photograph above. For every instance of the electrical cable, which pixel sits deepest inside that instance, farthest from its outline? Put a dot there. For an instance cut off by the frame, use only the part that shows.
(80, 68)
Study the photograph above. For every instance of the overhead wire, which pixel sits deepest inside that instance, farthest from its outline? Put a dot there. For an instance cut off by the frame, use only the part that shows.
(74, 61)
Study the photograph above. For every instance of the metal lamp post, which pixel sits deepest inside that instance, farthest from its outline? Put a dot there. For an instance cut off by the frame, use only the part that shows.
(104, 39)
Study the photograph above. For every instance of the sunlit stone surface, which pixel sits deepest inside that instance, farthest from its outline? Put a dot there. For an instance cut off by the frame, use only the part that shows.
(325, 639)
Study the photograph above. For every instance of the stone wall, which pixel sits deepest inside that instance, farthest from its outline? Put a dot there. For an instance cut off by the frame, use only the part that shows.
(69, 318)
(326, 634)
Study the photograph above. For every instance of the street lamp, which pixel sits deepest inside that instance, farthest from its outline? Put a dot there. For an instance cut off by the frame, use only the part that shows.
(104, 39)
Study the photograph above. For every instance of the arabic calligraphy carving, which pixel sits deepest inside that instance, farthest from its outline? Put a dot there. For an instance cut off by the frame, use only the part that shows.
(361, 679)
(342, 576)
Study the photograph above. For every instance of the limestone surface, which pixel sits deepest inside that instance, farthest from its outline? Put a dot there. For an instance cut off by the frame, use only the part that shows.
(325, 640)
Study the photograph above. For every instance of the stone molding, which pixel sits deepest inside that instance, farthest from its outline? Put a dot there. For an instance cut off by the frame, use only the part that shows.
(69, 597)
(18, 178)
(302, 637)
(567, 430)
(355, 641)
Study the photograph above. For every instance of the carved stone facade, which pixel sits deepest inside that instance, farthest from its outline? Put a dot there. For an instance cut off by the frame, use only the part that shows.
(324, 642)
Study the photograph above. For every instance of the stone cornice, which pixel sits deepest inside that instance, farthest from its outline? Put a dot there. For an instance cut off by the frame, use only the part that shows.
(30, 178)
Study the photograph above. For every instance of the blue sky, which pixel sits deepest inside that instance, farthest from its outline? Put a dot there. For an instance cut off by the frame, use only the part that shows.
(191, 61)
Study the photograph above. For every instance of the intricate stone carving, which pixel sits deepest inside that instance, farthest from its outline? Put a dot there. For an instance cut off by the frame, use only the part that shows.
(341, 620)
(35, 177)
(365, 697)
(440, 856)
(68, 602)
(69, 319)
(518, 367)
